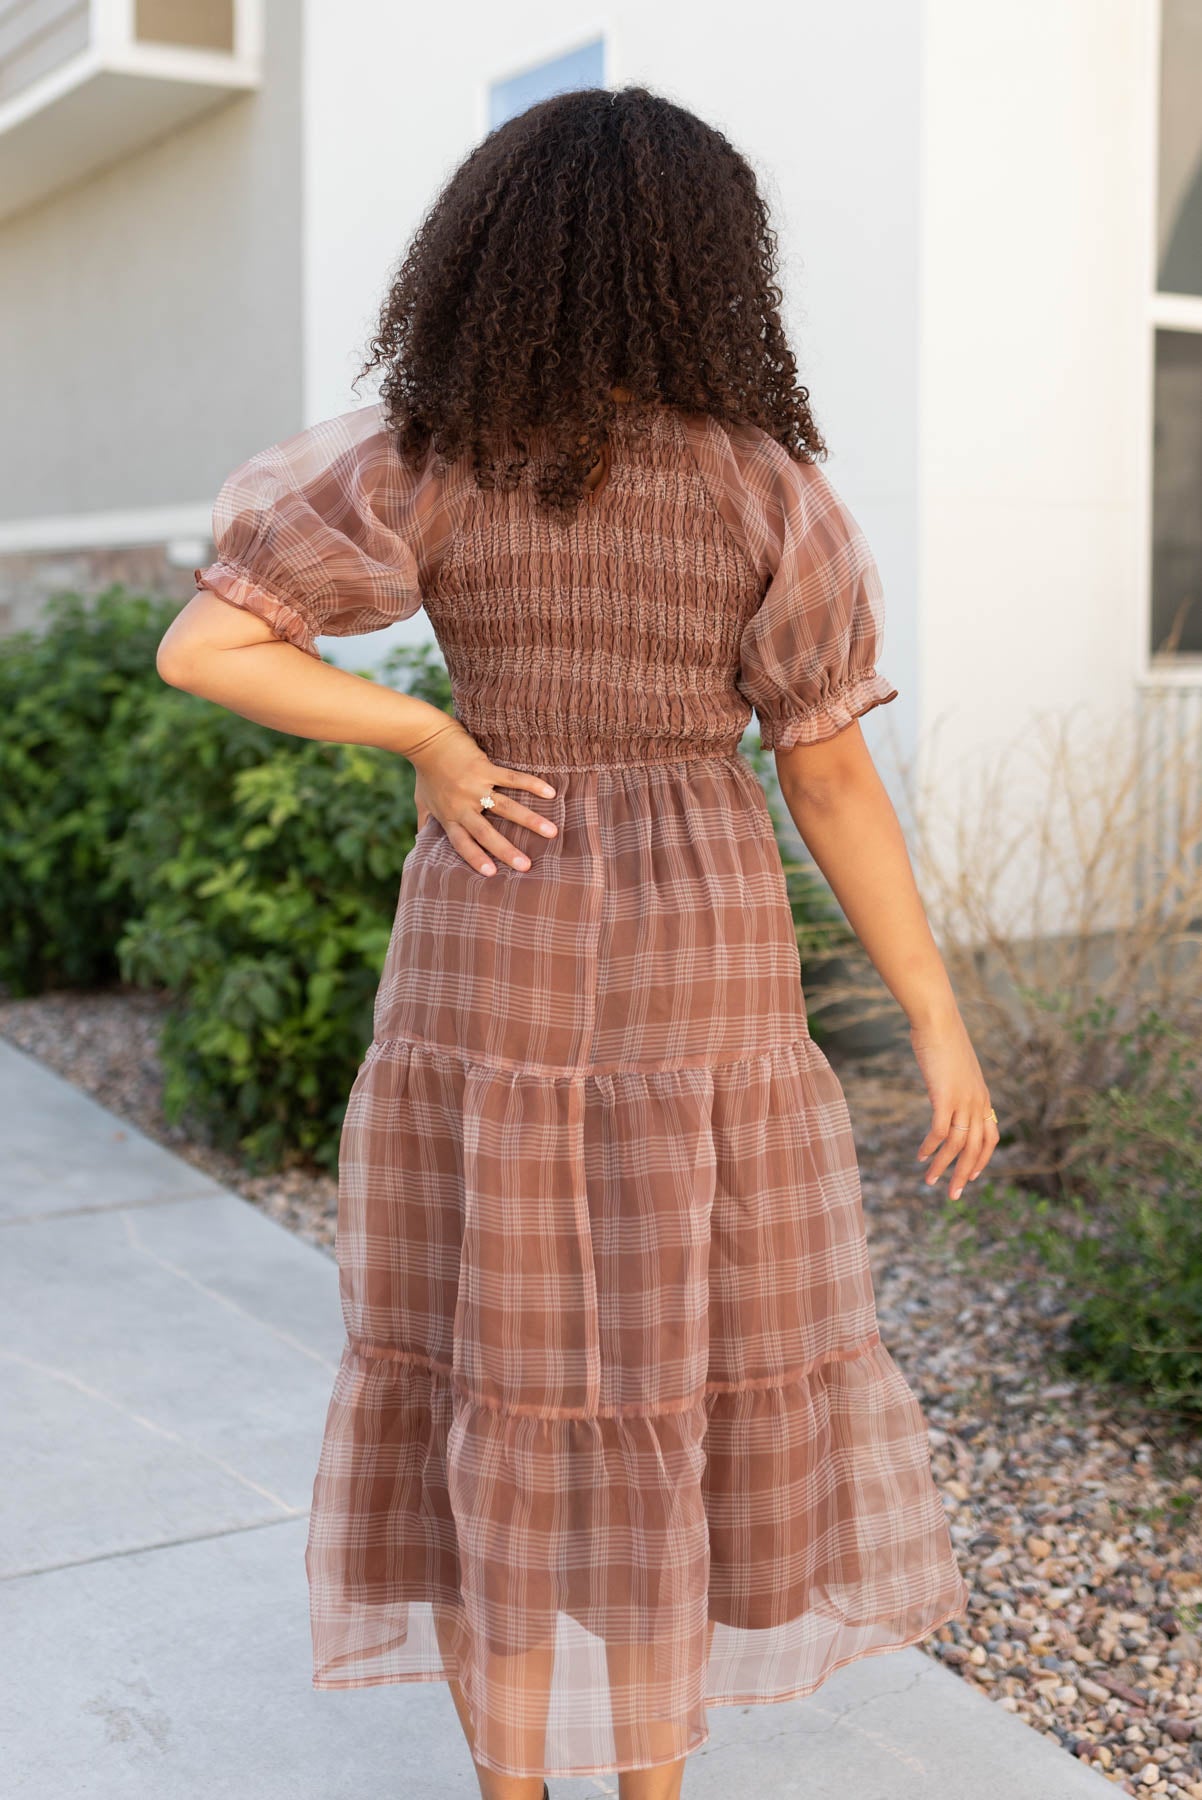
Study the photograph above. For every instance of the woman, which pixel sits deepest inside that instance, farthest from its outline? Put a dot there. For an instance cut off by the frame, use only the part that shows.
(614, 1435)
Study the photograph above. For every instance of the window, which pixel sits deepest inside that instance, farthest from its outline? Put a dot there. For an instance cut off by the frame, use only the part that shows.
(1176, 550)
(200, 24)
(581, 68)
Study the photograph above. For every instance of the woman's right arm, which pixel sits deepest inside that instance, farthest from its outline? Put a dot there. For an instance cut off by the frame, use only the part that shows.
(231, 656)
(848, 823)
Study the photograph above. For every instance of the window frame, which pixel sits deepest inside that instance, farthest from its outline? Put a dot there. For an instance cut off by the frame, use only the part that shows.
(544, 50)
(1163, 311)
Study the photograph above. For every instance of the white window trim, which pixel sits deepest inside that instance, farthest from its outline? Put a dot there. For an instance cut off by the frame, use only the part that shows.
(106, 530)
(1175, 312)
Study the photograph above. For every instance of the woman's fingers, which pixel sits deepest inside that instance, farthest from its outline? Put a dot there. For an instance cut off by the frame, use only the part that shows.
(477, 821)
(991, 1137)
(505, 808)
(509, 808)
(951, 1144)
(471, 828)
(475, 842)
(966, 1159)
(961, 1131)
(461, 839)
(495, 841)
(522, 778)
(961, 1136)
(941, 1118)
(493, 845)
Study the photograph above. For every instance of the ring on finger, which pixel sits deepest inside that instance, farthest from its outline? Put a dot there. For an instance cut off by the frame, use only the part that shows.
(487, 802)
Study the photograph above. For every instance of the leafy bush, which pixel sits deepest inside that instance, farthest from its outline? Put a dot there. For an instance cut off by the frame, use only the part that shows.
(1131, 1246)
(70, 697)
(1127, 1240)
(152, 837)
(265, 871)
(156, 838)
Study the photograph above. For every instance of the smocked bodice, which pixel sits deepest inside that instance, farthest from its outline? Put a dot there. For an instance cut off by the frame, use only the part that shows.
(712, 574)
(609, 636)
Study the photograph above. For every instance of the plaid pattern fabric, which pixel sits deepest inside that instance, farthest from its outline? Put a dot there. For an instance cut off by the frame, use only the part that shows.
(614, 1437)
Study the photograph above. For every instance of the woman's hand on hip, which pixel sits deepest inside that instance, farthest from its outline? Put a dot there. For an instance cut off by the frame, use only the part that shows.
(453, 775)
(961, 1128)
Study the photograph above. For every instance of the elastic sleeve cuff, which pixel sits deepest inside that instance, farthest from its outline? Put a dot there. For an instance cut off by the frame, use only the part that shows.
(836, 710)
(229, 582)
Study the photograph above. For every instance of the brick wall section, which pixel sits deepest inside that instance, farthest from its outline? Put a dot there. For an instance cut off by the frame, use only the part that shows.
(28, 579)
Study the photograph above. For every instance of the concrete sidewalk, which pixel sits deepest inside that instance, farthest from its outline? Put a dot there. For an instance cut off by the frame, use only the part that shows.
(168, 1353)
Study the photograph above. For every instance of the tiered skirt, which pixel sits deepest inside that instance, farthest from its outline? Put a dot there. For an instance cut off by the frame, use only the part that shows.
(614, 1437)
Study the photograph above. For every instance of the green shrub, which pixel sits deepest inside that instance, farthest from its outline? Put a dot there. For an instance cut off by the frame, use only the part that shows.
(1134, 1258)
(156, 838)
(1127, 1240)
(70, 697)
(264, 870)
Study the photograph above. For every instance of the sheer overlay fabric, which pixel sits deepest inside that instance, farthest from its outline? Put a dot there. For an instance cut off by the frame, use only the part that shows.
(615, 1437)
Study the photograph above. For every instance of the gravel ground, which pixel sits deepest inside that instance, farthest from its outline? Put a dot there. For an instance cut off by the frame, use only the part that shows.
(1076, 1515)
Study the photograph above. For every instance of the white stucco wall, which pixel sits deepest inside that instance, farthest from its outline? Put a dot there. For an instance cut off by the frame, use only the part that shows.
(824, 101)
(1037, 185)
(964, 199)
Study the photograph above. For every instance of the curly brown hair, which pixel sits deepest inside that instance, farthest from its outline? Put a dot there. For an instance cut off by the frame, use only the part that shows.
(600, 238)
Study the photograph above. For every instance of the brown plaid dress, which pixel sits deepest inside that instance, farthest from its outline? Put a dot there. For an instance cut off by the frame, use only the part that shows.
(615, 1437)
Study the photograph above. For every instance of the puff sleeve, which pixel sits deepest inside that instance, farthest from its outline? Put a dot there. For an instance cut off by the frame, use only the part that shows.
(328, 532)
(808, 654)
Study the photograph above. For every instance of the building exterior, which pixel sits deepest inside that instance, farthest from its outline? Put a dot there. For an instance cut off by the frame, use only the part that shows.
(150, 280)
(991, 230)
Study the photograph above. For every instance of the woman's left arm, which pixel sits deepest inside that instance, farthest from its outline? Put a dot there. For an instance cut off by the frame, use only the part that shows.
(848, 823)
(231, 656)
